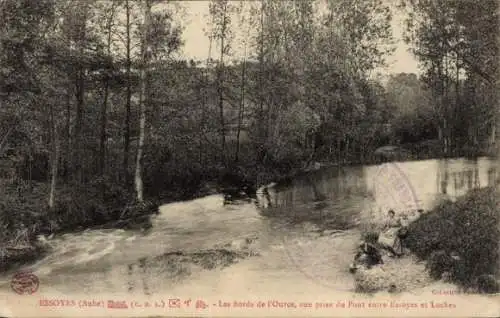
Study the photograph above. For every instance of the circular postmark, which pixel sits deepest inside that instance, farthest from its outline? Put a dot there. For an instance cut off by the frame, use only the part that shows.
(24, 283)
(392, 189)
(326, 259)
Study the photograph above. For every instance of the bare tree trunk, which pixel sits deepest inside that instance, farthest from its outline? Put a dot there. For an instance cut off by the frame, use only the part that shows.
(446, 107)
(67, 156)
(494, 122)
(440, 134)
(4, 138)
(104, 106)
(30, 171)
(339, 153)
(55, 159)
(261, 128)
(493, 133)
(126, 135)
(80, 100)
(242, 105)
(204, 101)
(139, 186)
(77, 162)
(102, 142)
(457, 99)
(220, 85)
(54, 172)
(445, 129)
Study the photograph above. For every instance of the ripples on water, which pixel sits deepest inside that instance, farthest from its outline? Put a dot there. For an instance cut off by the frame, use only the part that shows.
(307, 234)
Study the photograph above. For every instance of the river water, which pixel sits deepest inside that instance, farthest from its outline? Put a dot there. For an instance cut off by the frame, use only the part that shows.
(302, 235)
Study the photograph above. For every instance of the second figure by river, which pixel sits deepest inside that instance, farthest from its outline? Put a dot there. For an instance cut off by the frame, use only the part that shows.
(391, 238)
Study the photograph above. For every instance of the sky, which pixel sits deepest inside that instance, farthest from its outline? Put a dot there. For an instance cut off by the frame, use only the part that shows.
(196, 43)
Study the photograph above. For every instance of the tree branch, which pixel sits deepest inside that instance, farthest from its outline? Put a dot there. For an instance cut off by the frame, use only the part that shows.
(4, 139)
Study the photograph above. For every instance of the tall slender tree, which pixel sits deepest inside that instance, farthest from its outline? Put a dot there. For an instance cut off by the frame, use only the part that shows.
(220, 11)
(79, 23)
(126, 133)
(139, 184)
(109, 18)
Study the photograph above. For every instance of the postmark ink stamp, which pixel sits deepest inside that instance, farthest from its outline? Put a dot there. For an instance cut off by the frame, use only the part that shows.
(25, 283)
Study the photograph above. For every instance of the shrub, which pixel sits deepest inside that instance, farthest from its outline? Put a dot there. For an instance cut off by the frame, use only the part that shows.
(438, 263)
(487, 284)
(469, 226)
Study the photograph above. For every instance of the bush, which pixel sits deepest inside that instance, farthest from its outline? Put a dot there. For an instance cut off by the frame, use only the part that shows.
(469, 226)
(487, 284)
(98, 202)
(439, 263)
(19, 226)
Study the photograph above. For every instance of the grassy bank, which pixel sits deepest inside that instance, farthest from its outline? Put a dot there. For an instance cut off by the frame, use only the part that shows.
(460, 239)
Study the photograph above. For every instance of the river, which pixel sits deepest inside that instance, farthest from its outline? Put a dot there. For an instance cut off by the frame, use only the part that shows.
(302, 240)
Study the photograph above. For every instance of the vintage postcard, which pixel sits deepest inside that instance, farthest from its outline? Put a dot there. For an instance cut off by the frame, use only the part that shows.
(249, 158)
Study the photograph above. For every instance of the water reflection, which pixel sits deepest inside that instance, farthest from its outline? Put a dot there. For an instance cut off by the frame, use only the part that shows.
(458, 177)
(492, 176)
(340, 194)
(330, 196)
(442, 176)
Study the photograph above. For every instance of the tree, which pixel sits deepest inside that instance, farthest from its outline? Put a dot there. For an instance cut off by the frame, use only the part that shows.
(220, 11)
(159, 39)
(126, 134)
(241, 110)
(24, 28)
(453, 41)
(77, 28)
(109, 11)
(139, 187)
(365, 30)
(414, 116)
(204, 98)
(353, 39)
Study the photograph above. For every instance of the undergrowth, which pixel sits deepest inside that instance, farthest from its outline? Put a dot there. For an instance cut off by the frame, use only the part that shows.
(460, 239)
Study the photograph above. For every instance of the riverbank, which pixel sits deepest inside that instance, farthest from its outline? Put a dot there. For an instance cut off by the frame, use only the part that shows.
(25, 220)
(104, 204)
(456, 242)
(459, 240)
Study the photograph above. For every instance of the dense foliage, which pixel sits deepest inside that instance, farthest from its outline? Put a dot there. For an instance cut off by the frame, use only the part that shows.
(467, 229)
(97, 110)
(457, 45)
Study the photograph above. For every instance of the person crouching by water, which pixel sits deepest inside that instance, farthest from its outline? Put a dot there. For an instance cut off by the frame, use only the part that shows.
(368, 253)
(390, 236)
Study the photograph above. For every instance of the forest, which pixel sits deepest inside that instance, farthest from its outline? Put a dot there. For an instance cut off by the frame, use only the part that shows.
(100, 119)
